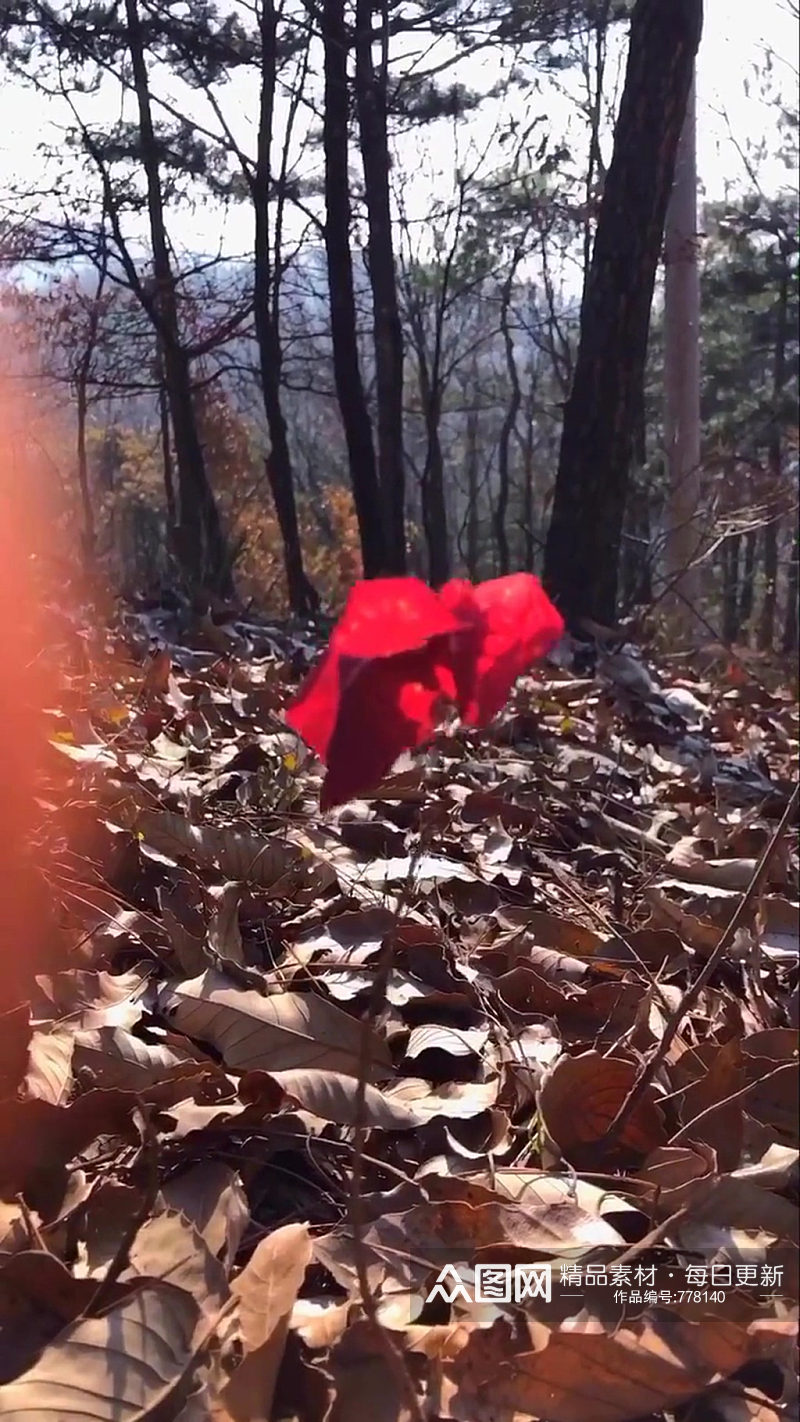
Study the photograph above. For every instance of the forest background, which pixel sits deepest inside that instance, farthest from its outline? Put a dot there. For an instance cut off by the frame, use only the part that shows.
(184, 187)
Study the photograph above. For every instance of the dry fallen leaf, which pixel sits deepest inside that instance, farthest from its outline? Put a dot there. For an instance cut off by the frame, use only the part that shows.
(579, 1098)
(266, 1291)
(185, 1089)
(211, 1197)
(168, 1248)
(122, 1366)
(568, 1375)
(280, 1032)
(334, 1097)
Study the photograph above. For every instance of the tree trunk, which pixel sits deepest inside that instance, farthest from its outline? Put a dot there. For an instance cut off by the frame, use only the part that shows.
(434, 508)
(527, 486)
(346, 369)
(507, 427)
(682, 377)
(748, 576)
(89, 535)
(766, 625)
(199, 540)
(303, 598)
(730, 586)
(166, 450)
(635, 566)
(766, 621)
(387, 330)
(82, 401)
(792, 589)
(582, 552)
(472, 553)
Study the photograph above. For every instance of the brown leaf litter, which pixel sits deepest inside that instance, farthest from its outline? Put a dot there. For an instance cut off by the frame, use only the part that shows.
(537, 997)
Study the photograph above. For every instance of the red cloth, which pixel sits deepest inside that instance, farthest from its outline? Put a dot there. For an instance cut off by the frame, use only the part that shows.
(399, 652)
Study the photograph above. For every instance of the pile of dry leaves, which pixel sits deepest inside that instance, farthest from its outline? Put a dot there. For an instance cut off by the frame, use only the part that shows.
(534, 1002)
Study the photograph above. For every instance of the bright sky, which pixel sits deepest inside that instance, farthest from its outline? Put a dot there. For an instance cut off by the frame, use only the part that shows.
(736, 35)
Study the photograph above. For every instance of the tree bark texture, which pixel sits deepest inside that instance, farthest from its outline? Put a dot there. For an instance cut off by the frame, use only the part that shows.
(302, 596)
(199, 539)
(747, 590)
(682, 375)
(387, 329)
(434, 506)
(766, 626)
(582, 553)
(730, 587)
(346, 368)
(507, 427)
(789, 641)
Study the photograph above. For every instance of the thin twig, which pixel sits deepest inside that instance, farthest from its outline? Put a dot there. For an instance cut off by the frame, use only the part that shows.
(605, 923)
(659, 1232)
(648, 1072)
(394, 1356)
(34, 1234)
(147, 1156)
(684, 1132)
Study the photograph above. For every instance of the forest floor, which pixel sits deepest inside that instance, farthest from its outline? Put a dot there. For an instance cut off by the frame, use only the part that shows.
(535, 1002)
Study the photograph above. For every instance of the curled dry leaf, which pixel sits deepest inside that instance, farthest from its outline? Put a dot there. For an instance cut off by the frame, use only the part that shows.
(537, 1189)
(364, 930)
(50, 1062)
(579, 1098)
(334, 1097)
(233, 852)
(224, 933)
(688, 858)
(457, 1041)
(777, 1169)
(457, 1100)
(94, 999)
(674, 1173)
(319, 1322)
(14, 1234)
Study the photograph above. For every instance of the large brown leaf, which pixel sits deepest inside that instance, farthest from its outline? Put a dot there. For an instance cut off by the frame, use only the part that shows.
(334, 1097)
(116, 1057)
(170, 1249)
(211, 1197)
(573, 1375)
(117, 1368)
(579, 1098)
(238, 855)
(266, 1289)
(278, 1033)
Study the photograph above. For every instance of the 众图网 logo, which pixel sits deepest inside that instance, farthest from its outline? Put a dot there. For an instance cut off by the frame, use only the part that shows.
(494, 1283)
